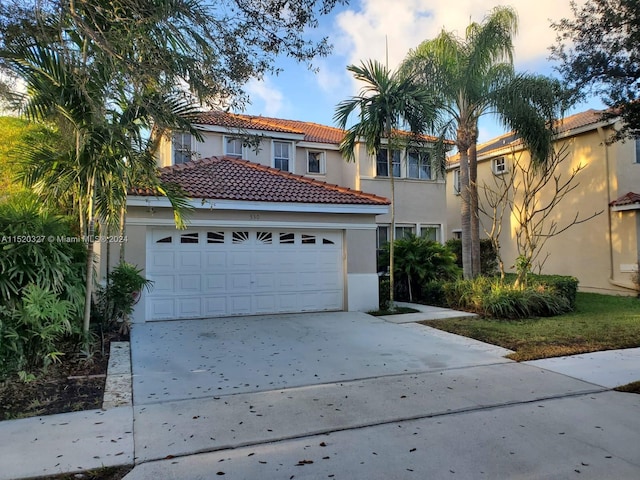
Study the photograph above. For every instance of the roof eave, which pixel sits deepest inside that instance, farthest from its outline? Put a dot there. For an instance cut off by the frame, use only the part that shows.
(245, 205)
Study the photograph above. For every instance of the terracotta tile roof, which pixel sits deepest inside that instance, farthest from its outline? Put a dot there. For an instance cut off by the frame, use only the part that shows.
(630, 198)
(229, 178)
(511, 139)
(313, 132)
(564, 125)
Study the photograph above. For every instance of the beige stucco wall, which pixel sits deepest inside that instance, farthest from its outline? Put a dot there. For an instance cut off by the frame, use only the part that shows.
(421, 202)
(592, 251)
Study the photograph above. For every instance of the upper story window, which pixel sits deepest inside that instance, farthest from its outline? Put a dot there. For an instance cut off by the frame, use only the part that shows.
(499, 165)
(418, 164)
(181, 142)
(456, 181)
(637, 150)
(315, 162)
(282, 155)
(233, 147)
(382, 168)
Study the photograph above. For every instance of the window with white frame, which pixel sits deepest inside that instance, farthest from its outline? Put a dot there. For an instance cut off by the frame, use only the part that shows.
(181, 143)
(456, 181)
(499, 165)
(382, 237)
(430, 232)
(457, 234)
(418, 164)
(404, 231)
(382, 168)
(233, 147)
(315, 162)
(638, 150)
(282, 155)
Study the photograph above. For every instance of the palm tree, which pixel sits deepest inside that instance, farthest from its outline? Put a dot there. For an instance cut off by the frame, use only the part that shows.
(387, 101)
(109, 153)
(474, 76)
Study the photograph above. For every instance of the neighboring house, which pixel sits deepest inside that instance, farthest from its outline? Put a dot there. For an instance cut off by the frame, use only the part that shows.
(311, 150)
(603, 252)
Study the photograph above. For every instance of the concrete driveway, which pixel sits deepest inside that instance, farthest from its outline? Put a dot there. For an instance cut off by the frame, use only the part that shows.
(346, 395)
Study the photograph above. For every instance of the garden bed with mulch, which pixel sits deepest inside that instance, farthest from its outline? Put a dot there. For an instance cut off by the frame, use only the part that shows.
(76, 383)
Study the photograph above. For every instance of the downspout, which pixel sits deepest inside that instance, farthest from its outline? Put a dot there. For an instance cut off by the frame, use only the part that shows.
(607, 173)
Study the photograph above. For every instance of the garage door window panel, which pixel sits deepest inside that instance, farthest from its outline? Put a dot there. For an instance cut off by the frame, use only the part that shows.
(287, 238)
(264, 238)
(240, 237)
(308, 239)
(215, 237)
(189, 238)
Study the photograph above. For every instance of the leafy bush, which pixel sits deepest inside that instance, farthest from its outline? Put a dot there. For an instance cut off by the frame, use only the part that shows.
(418, 261)
(432, 293)
(488, 297)
(31, 252)
(33, 332)
(565, 286)
(41, 284)
(117, 299)
(488, 256)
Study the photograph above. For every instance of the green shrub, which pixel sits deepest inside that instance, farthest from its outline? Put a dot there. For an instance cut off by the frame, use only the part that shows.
(116, 300)
(31, 252)
(488, 256)
(418, 261)
(41, 284)
(563, 285)
(33, 332)
(487, 296)
(432, 293)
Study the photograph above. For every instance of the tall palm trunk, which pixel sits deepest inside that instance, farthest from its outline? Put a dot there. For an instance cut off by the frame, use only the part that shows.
(392, 234)
(473, 203)
(465, 212)
(89, 266)
(122, 232)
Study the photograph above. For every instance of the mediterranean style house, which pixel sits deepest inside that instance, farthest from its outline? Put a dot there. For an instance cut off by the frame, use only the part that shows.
(602, 252)
(280, 221)
(311, 150)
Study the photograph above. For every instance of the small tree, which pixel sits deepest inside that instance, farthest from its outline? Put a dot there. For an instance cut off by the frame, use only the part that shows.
(530, 192)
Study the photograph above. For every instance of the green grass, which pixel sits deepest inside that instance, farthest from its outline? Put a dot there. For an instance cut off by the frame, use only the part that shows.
(599, 322)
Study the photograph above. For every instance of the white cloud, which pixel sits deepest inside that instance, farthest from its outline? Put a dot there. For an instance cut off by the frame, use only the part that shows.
(265, 97)
(406, 23)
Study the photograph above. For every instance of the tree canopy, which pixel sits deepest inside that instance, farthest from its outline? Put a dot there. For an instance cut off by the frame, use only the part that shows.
(17, 135)
(599, 51)
(214, 48)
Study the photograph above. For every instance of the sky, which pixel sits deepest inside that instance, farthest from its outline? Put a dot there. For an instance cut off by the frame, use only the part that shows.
(358, 32)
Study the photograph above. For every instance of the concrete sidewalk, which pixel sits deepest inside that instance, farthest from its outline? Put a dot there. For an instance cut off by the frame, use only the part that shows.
(425, 312)
(611, 368)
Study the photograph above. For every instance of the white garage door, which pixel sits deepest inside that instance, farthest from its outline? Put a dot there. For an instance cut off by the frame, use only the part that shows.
(208, 272)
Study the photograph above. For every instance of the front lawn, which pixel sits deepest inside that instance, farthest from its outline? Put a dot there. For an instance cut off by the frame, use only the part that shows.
(599, 322)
